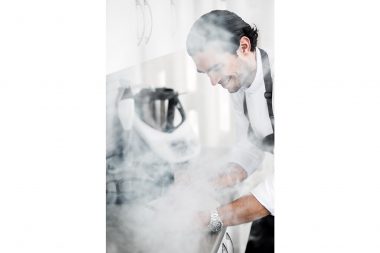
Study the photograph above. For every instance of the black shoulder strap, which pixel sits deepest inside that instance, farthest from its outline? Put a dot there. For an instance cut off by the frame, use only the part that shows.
(267, 144)
(250, 130)
(268, 84)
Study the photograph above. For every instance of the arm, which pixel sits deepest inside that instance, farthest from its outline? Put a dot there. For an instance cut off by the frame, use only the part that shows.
(253, 206)
(250, 207)
(244, 152)
(242, 210)
(245, 157)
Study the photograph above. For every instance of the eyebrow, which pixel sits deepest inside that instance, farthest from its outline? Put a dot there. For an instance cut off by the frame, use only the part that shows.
(211, 68)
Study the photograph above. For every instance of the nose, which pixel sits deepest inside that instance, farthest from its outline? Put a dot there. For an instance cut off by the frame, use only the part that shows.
(214, 79)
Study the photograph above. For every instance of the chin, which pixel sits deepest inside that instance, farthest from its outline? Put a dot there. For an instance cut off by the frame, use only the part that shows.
(233, 86)
(233, 89)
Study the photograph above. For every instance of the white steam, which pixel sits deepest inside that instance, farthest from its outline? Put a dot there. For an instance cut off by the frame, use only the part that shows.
(164, 218)
(153, 205)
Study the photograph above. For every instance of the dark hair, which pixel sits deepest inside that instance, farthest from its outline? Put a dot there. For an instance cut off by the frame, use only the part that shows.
(220, 26)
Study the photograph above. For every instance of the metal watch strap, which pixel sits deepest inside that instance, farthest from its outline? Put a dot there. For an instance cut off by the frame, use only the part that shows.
(215, 224)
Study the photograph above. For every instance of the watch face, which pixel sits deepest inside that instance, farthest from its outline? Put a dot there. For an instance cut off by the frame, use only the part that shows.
(215, 226)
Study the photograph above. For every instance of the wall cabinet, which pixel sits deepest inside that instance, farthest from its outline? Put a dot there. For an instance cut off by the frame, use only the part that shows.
(157, 39)
(138, 31)
(142, 30)
(121, 40)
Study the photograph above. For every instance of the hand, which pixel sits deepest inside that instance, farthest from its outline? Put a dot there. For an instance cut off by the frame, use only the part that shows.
(231, 176)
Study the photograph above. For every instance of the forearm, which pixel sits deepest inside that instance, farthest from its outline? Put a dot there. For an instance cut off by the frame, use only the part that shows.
(242, 210)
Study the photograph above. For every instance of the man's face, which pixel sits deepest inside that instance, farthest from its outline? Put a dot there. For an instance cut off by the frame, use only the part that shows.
(223, 68)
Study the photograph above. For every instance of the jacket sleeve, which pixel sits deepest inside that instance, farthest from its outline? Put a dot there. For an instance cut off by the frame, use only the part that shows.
(244, 152)
(264, 193)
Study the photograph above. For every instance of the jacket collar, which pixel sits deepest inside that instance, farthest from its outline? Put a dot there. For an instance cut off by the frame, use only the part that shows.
(258, 81)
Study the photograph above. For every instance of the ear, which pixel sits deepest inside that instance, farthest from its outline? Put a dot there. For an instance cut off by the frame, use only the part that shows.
(245, 46)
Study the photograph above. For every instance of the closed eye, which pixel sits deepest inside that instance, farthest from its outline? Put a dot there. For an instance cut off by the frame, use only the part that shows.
(215, 67)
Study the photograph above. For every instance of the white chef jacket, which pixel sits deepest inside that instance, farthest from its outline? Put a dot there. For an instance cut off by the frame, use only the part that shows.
(246, 151)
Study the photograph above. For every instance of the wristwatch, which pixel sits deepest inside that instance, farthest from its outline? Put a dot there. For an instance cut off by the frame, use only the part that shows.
(216, 223)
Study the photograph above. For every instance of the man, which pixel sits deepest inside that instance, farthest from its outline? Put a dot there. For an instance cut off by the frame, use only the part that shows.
(224, 47)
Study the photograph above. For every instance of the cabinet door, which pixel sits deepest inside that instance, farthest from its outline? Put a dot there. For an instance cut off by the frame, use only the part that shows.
(157, 40)
(122, 34)
(182, 18)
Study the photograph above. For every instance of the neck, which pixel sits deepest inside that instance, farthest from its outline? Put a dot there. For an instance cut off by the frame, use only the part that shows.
(251, 69)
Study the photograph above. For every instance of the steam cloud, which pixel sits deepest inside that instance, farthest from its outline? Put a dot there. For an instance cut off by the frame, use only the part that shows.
(160, 216)
(153, 205)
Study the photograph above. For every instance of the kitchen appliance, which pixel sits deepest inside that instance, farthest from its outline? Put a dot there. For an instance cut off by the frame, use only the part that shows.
(126, 109)
(158, 136)
(157, 108)
(161, 121)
